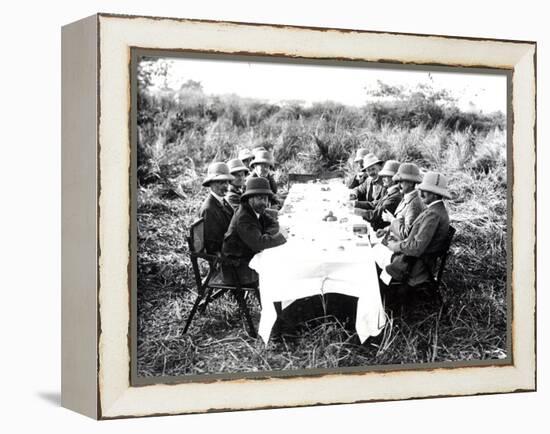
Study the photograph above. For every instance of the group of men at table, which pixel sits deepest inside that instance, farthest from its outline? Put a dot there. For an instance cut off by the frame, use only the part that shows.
(405, 209)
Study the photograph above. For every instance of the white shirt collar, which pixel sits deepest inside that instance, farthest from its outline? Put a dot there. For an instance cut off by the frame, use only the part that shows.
(434, 202)
(218, 198)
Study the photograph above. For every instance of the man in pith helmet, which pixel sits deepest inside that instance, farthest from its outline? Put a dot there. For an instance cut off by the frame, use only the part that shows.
(371, 189)
(261, 166)
(407, 176)
(427, 237)
(246, 156)
(215, 210)
(236, 187)
(360, 175)
(251, 230)
(389, 202)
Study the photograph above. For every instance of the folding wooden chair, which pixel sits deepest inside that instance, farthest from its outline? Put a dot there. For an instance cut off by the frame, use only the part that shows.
(434, 284)
(441, 262)
(210, 285)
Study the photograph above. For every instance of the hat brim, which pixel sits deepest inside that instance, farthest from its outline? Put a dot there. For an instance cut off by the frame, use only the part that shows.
(386, 173)
(262, 161)
(208, 180)
(434, 189)
(256, 192)
(372, 163)
(358, 159)
(239, 169)
(412, 178)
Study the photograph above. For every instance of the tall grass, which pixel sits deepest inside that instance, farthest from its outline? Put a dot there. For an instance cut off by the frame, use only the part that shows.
(181, 132)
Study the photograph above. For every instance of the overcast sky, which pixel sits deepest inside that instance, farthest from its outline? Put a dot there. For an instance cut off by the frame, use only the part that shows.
(276, 82)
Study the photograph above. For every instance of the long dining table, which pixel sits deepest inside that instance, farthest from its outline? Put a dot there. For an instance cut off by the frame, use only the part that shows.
(327, 251)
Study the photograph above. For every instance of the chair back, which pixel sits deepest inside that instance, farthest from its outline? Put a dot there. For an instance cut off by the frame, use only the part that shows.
(196, 236)
(444, 253)
(195, 241)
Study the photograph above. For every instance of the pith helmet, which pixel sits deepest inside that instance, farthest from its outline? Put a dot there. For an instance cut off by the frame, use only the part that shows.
(435, 183)
(258, 149)
(245, 154)
(408, 172)
(217, 172)
(370, 160)
(262, 157)
(256, 186)
(235, 165)
(360, 154)
(390, 168)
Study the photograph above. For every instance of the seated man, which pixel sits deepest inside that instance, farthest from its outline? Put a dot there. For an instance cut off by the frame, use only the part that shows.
(389, 202)
(246, 156)
(371, 189)
(261, 166)
(413, 258)
(360, 176)
(410, 207)
(235, 190)
(251, 230)
(215, 210)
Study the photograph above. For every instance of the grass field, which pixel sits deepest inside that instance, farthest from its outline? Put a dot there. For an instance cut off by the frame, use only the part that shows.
(180, 132)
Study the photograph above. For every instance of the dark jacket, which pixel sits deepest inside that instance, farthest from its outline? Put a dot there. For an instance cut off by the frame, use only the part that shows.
(427, 237)
(389, 202)
(233, 196)
(216, 221)
(248, 235)
(357, 179)
(370, 191)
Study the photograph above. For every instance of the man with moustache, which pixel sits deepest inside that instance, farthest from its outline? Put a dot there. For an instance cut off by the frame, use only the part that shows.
(235, 190)
(388, 203)
(371, 190)
(251, 230)
(360, 176)
(215, 210)
(261, 166)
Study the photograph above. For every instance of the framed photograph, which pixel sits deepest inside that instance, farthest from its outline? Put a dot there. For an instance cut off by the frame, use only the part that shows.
(261, 216)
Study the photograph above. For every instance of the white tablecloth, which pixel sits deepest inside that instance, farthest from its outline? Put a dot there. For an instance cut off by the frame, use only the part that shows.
(320, 257)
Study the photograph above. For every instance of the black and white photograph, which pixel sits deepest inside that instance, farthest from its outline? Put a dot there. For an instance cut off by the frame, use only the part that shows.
(308, 217)
(379, 262)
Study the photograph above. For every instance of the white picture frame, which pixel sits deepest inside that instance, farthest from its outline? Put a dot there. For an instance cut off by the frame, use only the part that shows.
(97, 309)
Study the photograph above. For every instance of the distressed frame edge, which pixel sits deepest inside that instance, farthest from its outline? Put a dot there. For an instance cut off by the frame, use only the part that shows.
(79, 182)
(529, 385)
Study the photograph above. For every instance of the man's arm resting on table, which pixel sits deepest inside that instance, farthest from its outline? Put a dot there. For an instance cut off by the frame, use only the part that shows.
(250, 233)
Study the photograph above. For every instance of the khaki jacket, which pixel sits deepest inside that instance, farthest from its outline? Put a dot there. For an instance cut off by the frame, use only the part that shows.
(427, 237)
(389, 202)
(410, 207)
(370, 191)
